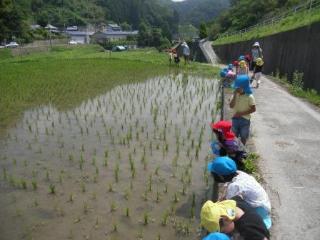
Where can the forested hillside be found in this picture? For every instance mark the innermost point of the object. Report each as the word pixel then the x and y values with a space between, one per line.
pixel 245 13
pixel 17 15
pixel 197 11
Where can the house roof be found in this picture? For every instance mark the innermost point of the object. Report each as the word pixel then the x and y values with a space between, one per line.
pixel 79 33
pixel 113 25
pixel 119 33
pixel 49 26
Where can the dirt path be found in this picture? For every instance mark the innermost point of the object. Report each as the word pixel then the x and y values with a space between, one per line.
pixel 287 136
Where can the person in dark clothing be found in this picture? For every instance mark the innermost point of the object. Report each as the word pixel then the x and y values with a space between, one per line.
pixel 227 144
pixel 230 215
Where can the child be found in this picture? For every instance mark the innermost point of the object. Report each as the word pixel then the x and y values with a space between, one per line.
pixel 224 170
pixel 216 236
pixel 228 144
pixel 175 56
pixel 243 68
pixel 235 214
pixel 243 104
pixel 257 71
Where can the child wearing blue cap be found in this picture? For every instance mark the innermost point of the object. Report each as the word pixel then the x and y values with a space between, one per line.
pixel 243 104
pixel 216 236
pixel 224 170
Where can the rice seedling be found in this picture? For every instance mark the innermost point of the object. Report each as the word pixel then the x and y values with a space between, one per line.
pixel 158 197
pixel 94 196
pixel 127 194
pixel 164 219
pixel 206 179
pixel 105 162
pixel 193 203
pixel 192 143
pixel 150 183
pixel 110 188
pixel 52 189
pixel 96 225
pixel 71 198
pixel 113 207
pixel 165 188
pixel 127 212
pixel 184 190
pixel 146 218
pixel 145 195
pixel 85 208
pixel 12 181
pixel 115 227
pixel 175 198
pixel 156 171
pixel 93 161
pixel 23 183
pixel 34 184
pixel 83 187
pixel 116 172
pixel 192 212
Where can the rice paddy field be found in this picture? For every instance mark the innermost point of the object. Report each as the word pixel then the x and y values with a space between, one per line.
pixel 123 159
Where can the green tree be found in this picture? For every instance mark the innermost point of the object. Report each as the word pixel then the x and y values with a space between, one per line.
pixel 125 26
pixel 12 21
pixel 203 31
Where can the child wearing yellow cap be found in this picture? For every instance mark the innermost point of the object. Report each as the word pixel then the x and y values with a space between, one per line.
pixel 257 71
pixel 235 214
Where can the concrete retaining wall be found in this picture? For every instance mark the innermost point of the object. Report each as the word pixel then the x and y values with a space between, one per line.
pixel 286 52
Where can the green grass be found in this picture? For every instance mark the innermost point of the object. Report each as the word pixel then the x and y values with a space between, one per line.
pixel 309 95
pixel 292 22
pixel 250 163
pixel 64 77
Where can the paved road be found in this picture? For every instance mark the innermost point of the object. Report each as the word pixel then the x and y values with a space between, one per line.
pixel 286 132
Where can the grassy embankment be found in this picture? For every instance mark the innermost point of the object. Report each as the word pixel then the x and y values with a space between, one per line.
pixel 289 23
pixel 64 77
pixel 296 88
pixel 292 22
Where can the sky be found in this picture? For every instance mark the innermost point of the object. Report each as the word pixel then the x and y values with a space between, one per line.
pixel 177 0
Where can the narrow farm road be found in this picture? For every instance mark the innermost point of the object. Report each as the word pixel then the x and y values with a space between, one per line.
pixel 286 133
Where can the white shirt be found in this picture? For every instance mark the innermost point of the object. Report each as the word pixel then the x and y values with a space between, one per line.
pixel 251 191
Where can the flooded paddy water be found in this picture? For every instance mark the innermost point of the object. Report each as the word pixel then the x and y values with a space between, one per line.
pixel 129 164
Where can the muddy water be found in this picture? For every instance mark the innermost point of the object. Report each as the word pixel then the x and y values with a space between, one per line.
pixel 125 165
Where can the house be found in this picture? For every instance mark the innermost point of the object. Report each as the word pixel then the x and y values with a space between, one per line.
pixel 80 37
pixel 72 28
pixel 52 28
pixel 102 37
pixel 35 26
pixel 113 27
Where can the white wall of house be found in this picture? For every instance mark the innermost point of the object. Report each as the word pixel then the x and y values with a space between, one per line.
pixel 79 39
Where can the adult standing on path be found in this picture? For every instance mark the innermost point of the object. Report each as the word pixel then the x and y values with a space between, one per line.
pixel 256 52
pixel 287 137
pixel 186 52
